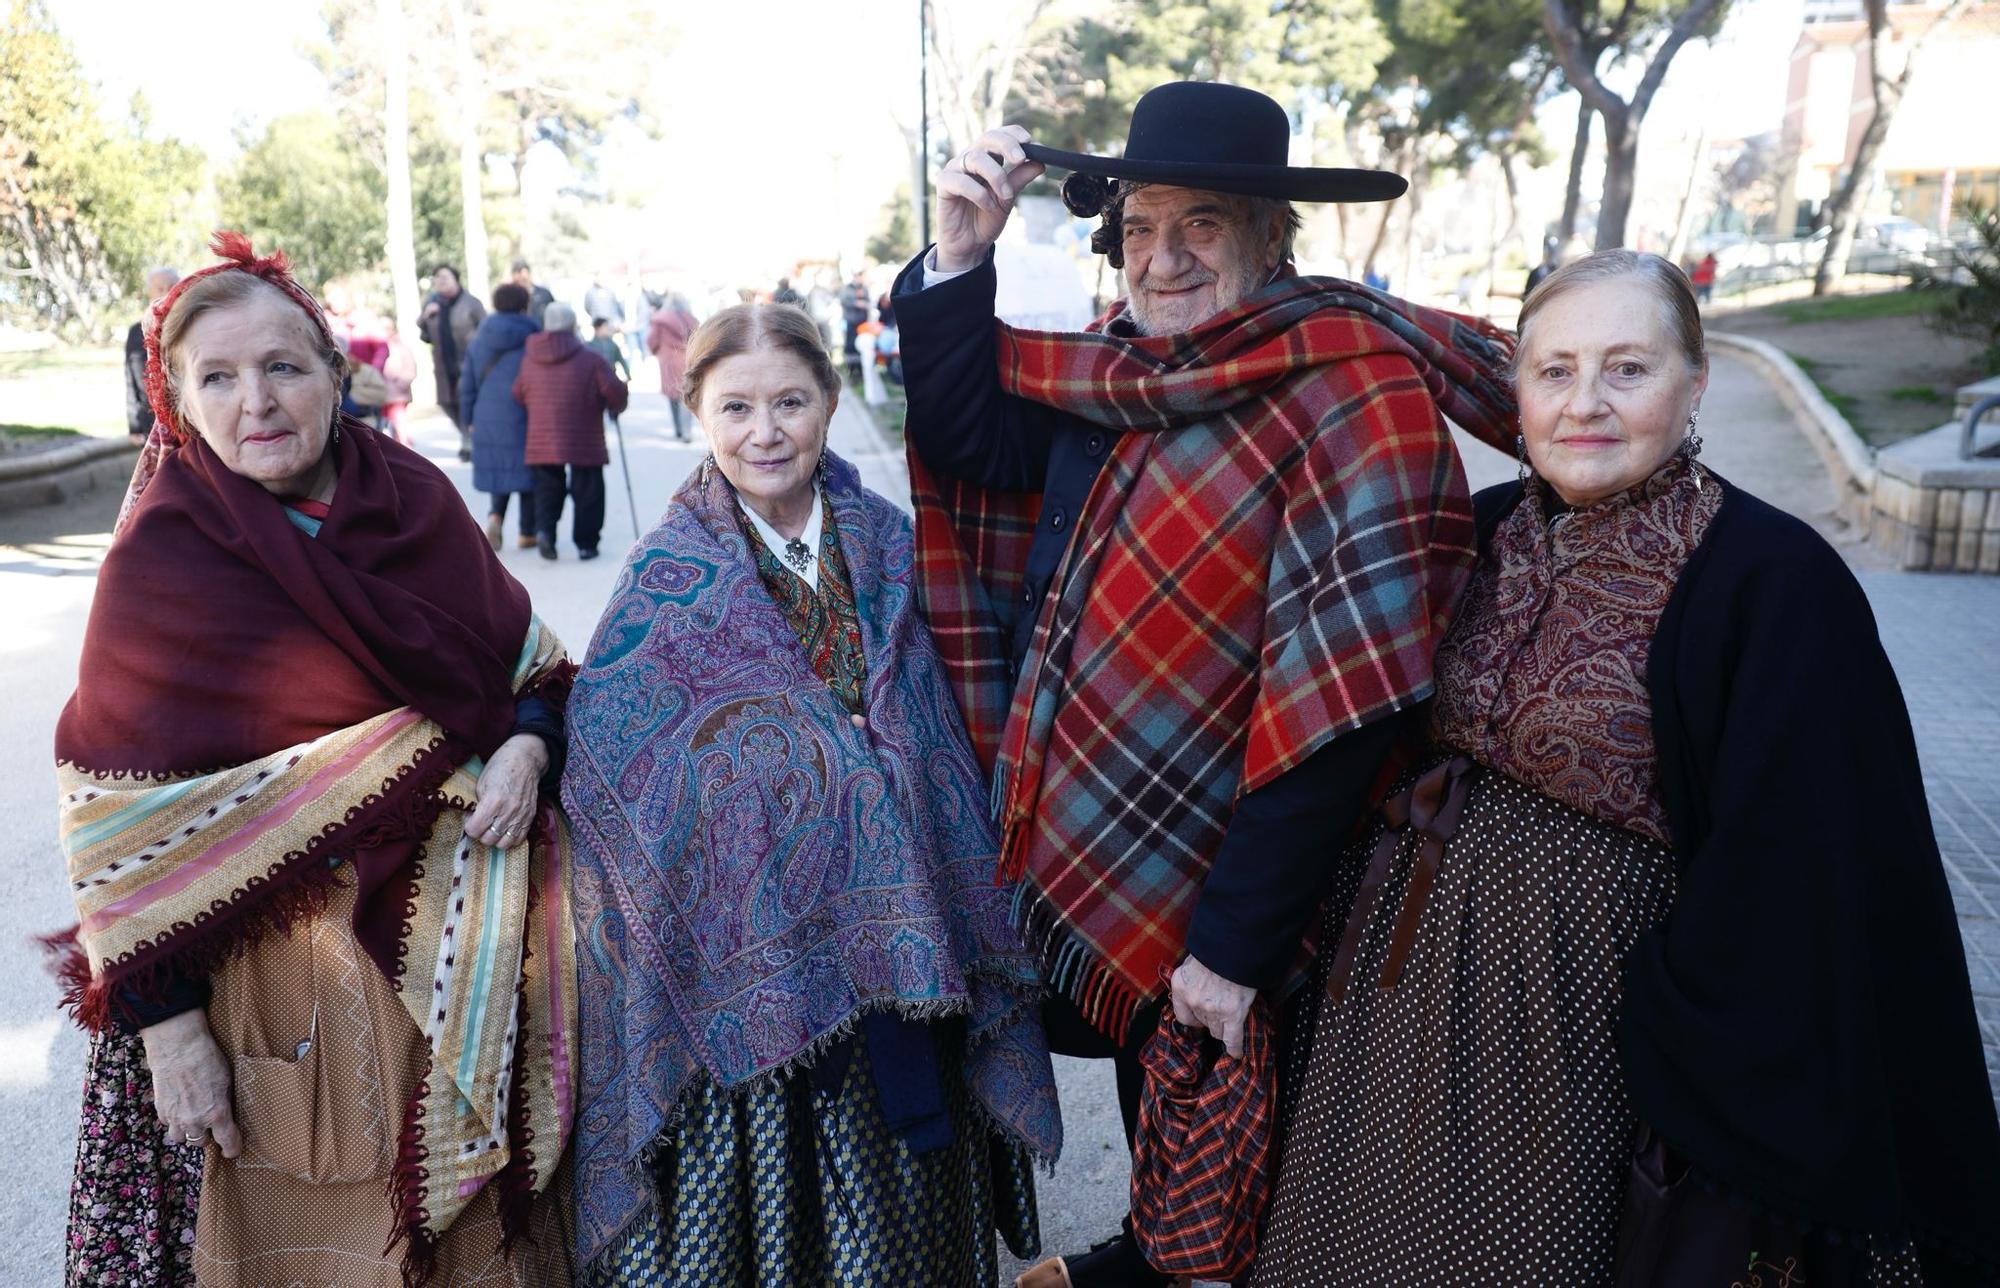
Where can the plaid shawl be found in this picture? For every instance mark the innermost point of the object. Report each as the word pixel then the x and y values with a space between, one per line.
pixel 1267 563
pixel 754 873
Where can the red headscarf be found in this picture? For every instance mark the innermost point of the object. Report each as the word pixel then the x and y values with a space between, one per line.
pixel 220 633
pixel 237 257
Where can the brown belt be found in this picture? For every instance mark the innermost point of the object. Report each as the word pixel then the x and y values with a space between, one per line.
pixel 1430 807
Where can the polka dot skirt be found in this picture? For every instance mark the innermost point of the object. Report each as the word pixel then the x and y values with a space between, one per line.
pixel 1470 1126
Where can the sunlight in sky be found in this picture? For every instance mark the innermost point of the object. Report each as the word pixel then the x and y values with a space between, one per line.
pixel 787 122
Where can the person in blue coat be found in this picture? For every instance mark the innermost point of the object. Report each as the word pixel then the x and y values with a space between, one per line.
pixel 499 423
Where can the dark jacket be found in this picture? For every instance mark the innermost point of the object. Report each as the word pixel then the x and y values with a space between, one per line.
pixel 1801 1027
pixel 486 395
pixel 1275 862
pixel 539 300
pixel 138 409
pixel 566 389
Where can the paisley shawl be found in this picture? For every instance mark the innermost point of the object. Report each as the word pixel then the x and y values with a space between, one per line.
pixel 754 871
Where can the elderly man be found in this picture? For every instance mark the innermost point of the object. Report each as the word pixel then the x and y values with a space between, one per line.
pixel 450 319
pixel 1187 568
pixel 539 296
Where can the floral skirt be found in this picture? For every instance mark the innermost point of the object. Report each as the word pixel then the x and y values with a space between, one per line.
pixel 132 1199
pixel 791 1184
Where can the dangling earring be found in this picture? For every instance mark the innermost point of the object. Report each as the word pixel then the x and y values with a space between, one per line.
pixel 1521 451
pixel 336 427
pixel 707 468
pixel 1691 446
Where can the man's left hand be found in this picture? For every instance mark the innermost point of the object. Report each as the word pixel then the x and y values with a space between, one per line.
pixel 1205 1000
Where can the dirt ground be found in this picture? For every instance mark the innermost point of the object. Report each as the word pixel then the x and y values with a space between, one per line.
pixel 1891 376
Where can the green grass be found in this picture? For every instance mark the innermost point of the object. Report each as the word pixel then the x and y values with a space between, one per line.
pixel 1846 404
pixel 889 416
pixel 1918 394
pixel 1840 308
pixel 83 388
pixel 35 431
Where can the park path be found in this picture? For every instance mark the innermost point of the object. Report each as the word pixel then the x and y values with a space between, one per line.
pixel 1941 631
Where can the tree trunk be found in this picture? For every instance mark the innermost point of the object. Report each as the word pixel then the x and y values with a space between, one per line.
pixel 478 273
pixel 1845 208
pixel 1573 195
pixel 1621 164
pixel 1683 222
pixel 1847 204
pixel 402 242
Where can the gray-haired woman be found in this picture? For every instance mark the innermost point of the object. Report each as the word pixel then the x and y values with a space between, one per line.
pixel 1648 974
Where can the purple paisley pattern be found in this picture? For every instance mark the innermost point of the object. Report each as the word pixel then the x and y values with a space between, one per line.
pixel 132 1199
pixel 1543 675
pixel 755 869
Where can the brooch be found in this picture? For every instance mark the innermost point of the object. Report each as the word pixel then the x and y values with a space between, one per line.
pixel 797 555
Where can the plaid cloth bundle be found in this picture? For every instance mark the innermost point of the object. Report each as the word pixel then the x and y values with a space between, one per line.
pixel 1267 563
pixel 1201 1164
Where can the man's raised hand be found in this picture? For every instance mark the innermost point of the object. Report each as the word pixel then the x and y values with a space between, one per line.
pixel 976 193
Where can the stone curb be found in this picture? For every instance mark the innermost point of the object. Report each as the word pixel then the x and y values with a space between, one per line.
pixel 1854 460
pixel 50 478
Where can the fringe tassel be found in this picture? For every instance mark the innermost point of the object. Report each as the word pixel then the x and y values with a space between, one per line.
pixel 1074 969
pixel 514 1186
pixel 412 1221
pixel 295 888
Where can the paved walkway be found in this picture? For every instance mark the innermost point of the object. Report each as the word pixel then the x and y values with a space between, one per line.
pixel 1943 633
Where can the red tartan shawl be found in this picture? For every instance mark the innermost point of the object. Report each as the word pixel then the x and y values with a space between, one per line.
pixel 1268 563
pixel 219 633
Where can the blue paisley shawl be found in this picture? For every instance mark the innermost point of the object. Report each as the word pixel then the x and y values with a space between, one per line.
pixel 754 872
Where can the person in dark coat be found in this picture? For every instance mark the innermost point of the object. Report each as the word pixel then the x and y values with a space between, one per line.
pixel 450 318
pixel 138 409
pixel 1649 974
pixel 567 389
pixel 499 422
pixel 539 296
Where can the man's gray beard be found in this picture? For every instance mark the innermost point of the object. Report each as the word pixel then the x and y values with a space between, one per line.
pixel 1247 282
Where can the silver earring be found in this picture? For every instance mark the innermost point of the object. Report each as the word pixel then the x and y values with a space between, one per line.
pixel 1691 448
pixel 1521 451
pixel 707 468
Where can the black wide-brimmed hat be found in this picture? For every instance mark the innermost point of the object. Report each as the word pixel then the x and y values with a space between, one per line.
pixel 1221 138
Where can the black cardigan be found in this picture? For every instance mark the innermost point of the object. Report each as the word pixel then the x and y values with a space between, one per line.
pixel 1801 1027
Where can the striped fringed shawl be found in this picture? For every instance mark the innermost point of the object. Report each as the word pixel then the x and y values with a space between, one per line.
pixel 261 713
pixel 486 947
pixel 1267 560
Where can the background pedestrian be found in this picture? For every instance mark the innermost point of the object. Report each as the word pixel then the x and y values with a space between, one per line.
pixel 567 388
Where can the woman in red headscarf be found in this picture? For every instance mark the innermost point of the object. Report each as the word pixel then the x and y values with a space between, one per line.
pixel 320 877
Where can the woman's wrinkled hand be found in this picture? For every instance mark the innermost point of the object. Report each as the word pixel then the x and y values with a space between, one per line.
pixel 1205 1000
pixel 191 1082
pixel 505 806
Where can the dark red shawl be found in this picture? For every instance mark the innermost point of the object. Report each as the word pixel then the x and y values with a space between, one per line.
pixel 221 633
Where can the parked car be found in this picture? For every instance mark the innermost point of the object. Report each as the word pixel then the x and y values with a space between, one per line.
pixel 1896 233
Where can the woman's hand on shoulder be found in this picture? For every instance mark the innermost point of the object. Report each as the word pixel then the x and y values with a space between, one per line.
pixel 191 1087
pixel 507 790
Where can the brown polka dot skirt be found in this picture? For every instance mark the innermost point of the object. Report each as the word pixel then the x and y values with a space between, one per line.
pixel 1470 1126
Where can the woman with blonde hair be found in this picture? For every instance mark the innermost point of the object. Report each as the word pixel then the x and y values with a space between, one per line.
pixel 812 1050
